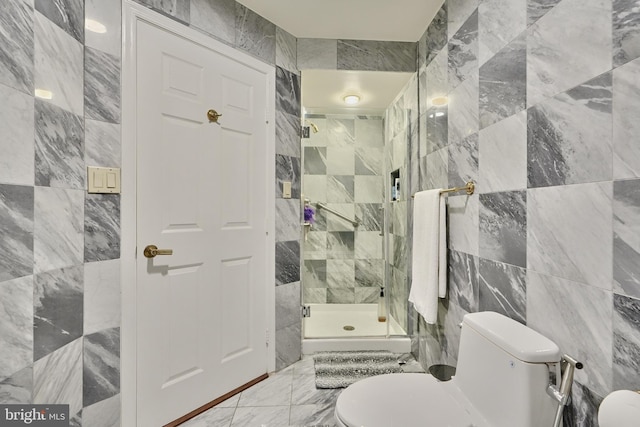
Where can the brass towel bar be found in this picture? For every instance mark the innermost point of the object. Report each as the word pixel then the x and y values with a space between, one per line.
pixel 469 188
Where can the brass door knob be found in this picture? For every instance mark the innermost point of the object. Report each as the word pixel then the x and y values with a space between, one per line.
pixel 213 116
pixel 152 250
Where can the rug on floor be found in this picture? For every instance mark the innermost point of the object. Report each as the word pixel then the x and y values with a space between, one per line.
pixel 339 369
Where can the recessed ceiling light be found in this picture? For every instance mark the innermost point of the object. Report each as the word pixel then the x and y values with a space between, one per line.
pixel 351 99
pixel 440 100
pixel 95 26
pixel 43 94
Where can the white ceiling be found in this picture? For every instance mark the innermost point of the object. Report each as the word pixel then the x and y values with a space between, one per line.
pixel 389 20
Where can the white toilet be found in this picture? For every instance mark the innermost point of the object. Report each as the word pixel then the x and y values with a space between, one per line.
pixel 501 381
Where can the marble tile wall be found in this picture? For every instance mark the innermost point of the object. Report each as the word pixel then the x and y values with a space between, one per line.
pixel 542 107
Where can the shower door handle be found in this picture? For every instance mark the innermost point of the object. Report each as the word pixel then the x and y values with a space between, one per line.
pixel 152 250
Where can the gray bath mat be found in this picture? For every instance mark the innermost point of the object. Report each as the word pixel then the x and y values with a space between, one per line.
pixel 343 368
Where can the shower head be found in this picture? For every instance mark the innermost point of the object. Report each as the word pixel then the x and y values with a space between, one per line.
pixel 313 126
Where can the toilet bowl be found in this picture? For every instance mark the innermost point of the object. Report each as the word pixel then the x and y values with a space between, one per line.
pixel 501 381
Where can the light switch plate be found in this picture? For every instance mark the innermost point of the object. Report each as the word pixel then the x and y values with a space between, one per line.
pixel 103 180
pixel 286 190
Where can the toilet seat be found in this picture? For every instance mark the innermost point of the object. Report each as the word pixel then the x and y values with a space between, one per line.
pixel 405 400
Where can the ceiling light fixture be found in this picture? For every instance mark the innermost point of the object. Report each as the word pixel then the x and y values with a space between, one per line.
pixel 95 26
pixel 351 99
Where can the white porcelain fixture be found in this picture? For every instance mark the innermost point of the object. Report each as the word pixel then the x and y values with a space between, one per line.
pixel 501 381
pixel 621 408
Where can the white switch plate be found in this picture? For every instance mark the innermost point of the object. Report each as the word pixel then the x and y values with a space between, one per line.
pixel 286 190
pixel 103 180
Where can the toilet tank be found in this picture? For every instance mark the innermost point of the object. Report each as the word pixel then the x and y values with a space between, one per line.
pixel 502 370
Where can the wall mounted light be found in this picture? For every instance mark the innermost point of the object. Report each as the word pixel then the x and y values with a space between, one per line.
pixel 95 26
pixel 351 99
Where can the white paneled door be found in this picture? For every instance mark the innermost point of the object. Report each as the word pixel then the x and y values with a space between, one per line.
pixel 201 315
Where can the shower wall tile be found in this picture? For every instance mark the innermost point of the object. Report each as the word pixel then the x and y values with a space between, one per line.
pixel 437 169
pixel 341 296
pixel 368 160
pixel 463 280
pixel 369 133
pixel 255 35
pixel 503 289
pixel 17 230
pixel 503 227
pixel 626 237
pixel 626 342
pixel 108 14
pixel 463 110
pixel 463 224
pixel 463 52
pixel 58 65
pixel 368 189
pixel 16 45
pixel 287 134
pixel 340 132
pixel 288 219
pixel 102 144
pixel 59 147
pixel 103 414
pixel 368 245
pixel 314 295
pixel 500 21
pixel 101 227
pixel 369 272
pixel 215 17
pixel 57 309
pixel 176 9
pixel 16 327
pixel 458 13
pixel 340 245
pixel 288 169
pixel 569 232
pixel 315 160
pixel 101 366
pixel 315 245
pixel 463 161
pixel 626 31
pixel 340 161
pixel 340 273
pixel 315 189
pixel 437 128
pixel 506 139
pixel 367 55
pixel 366 296
pixel 586 325
pixel 436 35
pixel 66 14
pixel 399 257
pixel 536 9
pixel 57 377
pixel 503 85
pixel 317 54
pixel 569 136
pixel 287 262
pixel 102 86
pixel 340 189
pixel 569 45
pixel 335 223
pixel 370 216
pixel 17 389
pixel 101 298
pixel 16 136
pixel 626 128
pixel 286 51
pixel 288 92
pixel 315 273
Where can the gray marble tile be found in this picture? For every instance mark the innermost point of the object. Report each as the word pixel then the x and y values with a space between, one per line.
pixel 506 139
pixel 273 416
pixel 312 415
pixel 626 342
pixel 463 161
pixel 306 393
pixel 255 34
pixel 340 273
pixel 101 227
pixel 102 86
pixel 626 237
pixel 315 245
pixel 101 296
pixel 340 245
pixel 109 14
pixel 274 391
pixel 369 273
pixel 368 245
pixel 101 366
pixel 18 388
pixel 503 227
pixel 340 160
pixel 626 127
pixel 436 124
pixel 286 45
pixel 569 232
pixel 399 259
pixel 215 17
pixel 288 345
pixel 317 54
pixel 500 21
pixel 287 134
pixel 368 189
pixel 463 52
pixel 411 103
pixel 503 289
pixel 103 414
pixel 287 219
pixel 102 144
pixel 340 189
pixel 314 274
pixel 287 305
pixel 450 318
pixel 463 223
pixel 458 13
pixel 16 326
pixel 57 309
pixel 287 92
pixel 582 410
pixel 58 60
pixel 582 329
pixel 503 83
pixel 569 136
pixel 370 216
pixel 288 169
pixel 626 31
pixel 536 9
pixel 59 147
pixel 287 262
pixel 335 223
pixel 369 55
pixel 340 132
pixel 16 137
pixel 315 295
pixel 463 111
pixel 176 9
pixel 569 45
pixel 398 217
pixel 463 280
pixel 17 229
pixel 369 133
pixel 57 377
pixel 16 45
pixel 437 169
pixel 368 161
pixel 213 417
pixel 76 420
pixel 66 14
pixel 436 34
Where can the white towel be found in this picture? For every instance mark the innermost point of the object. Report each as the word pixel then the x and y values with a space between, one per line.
pixel 429 279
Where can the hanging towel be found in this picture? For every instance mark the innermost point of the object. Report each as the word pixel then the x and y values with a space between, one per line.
pixel 429 279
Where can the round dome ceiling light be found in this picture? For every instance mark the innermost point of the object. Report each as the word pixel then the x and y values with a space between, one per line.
pixel 351 99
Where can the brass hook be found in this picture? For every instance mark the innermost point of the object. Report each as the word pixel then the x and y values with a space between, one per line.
pixel 213 116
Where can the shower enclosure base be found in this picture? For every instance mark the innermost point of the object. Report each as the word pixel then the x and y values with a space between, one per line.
pixel 351 327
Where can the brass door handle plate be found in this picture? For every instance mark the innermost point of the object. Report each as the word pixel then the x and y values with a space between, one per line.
pixel 213 116
pixel 152 250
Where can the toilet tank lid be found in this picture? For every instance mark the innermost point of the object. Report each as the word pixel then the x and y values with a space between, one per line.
pixel 513 337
